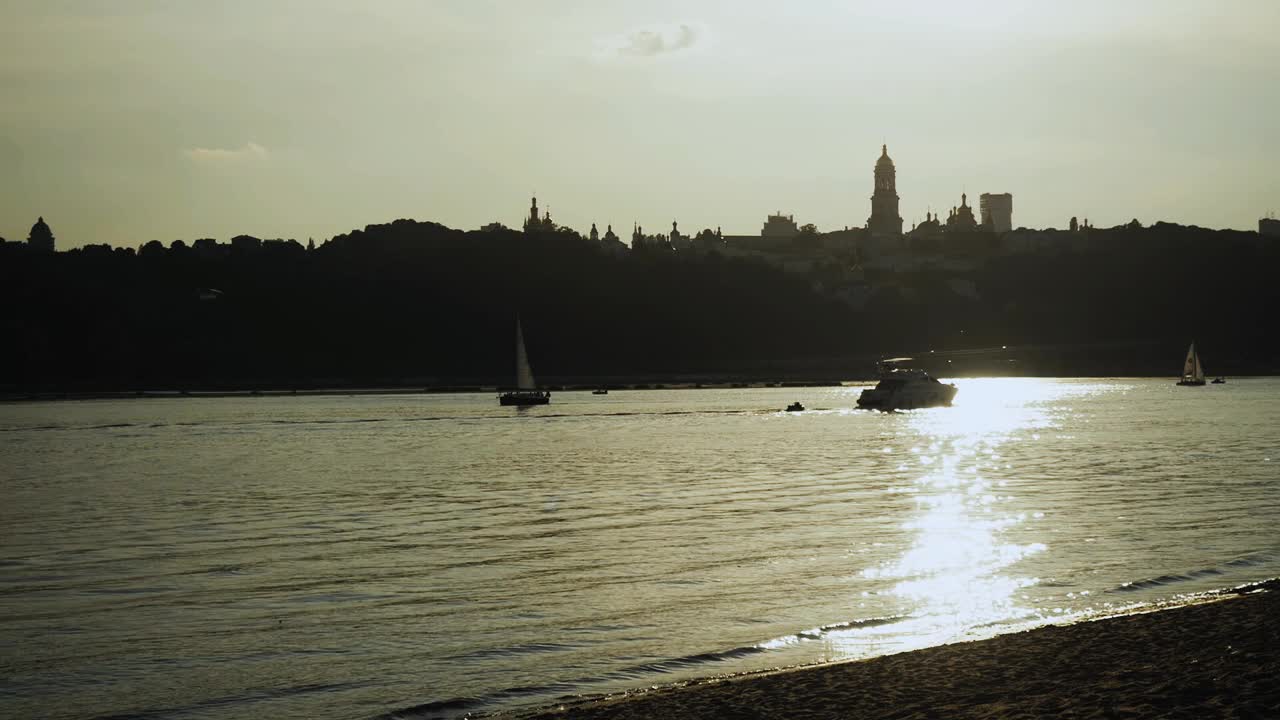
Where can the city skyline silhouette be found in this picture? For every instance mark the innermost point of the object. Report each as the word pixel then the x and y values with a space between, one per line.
pixel 132 123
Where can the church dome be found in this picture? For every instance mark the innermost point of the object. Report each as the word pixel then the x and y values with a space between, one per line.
pixel 885 160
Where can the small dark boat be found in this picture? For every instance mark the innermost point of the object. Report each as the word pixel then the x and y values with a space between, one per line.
pixel 600 391
pixel 1218 381
pixel 795 407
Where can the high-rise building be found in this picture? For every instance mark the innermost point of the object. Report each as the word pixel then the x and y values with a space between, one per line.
pixel 997 211
pixel 884 218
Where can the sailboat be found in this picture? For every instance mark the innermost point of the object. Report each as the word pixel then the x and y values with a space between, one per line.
pixel 526 392
pixel 1192 372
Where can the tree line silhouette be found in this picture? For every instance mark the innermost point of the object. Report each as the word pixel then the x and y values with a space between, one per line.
pixel 416 303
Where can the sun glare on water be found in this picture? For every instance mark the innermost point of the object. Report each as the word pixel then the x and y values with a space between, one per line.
pixel 960 572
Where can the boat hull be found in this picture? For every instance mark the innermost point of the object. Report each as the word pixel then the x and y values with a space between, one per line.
pixel 524 398
pixel 1190 383
pixel 910 398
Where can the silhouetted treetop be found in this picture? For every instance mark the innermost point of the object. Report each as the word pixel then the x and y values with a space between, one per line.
pixel 418 302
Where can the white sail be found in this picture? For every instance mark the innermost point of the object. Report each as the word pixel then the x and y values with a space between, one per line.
pixel 524 373
pixel 1191 369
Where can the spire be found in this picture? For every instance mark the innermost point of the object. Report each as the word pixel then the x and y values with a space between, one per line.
pixel 884 150
pixel 963 199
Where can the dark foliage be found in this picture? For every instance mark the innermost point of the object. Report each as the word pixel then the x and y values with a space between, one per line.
pixel 415 303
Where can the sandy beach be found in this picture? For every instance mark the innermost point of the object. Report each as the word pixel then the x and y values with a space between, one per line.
pixel 1216 659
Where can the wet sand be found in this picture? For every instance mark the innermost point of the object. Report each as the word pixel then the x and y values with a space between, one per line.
pixel 1212 660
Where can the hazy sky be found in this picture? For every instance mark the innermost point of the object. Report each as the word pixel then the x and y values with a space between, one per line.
pixel 123 121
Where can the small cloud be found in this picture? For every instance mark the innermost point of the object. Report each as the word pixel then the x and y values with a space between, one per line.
pixel 250 151
pixel 652 41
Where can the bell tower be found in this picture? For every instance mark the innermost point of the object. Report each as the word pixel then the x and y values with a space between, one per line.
pixel 885 219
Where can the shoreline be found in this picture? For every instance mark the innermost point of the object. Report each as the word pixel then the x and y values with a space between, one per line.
pixel 1217 656
pixel 42 396
pixel 18 396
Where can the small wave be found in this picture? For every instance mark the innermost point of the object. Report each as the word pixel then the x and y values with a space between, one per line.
pixel 27 428
pixel 434 709
pixel 514 650
pixel 1174 578
pixel 868 622
pixel 231 701
pixel 680 663
pixel 820 632
pixel 454 707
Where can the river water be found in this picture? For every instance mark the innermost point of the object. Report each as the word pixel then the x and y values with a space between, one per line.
pixel 433 555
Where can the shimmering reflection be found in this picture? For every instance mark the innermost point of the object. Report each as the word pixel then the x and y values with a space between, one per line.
pixel 441 556
pixel 959 572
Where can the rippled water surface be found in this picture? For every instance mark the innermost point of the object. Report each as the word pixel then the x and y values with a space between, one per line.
pixel 433 555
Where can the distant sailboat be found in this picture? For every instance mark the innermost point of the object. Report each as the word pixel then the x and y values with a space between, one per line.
pixel 1192 372
pixel 526 392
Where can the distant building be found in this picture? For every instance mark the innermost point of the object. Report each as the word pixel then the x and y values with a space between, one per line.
pixel 780 226
pixel 930 228
pixel 41 237
pixel 595 234
pixel 885 220
pixel 678 240
pixel 961 218
pixel 996 211
pixel 493 227
pixel 535 224
pixel 640 241
pixel 1269 226
pixel 709 241
pixel 611 244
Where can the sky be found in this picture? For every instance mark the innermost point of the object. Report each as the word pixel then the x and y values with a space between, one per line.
pixel 124 121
